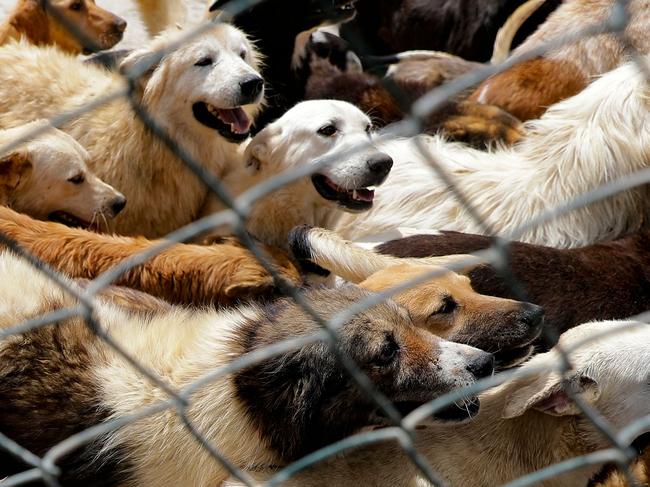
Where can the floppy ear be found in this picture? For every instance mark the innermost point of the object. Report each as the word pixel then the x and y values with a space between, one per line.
pixel 548 394
pixel 143 63
pixel 261 147
pixel 13 167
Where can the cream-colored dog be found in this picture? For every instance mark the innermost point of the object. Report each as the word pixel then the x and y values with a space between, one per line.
pixel 203 95
pixel 47 177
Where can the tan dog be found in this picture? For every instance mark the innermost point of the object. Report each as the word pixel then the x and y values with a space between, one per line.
pixel 47 178
pixel 445 305
pixel 181 274
pixel 44 25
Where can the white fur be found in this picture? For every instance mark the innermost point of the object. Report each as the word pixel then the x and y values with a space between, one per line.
pixel 578 145
pixel 518 429
pixel 163 193
pixel 56 158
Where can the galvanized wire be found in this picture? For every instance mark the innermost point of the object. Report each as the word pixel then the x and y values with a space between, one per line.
pixel 235 216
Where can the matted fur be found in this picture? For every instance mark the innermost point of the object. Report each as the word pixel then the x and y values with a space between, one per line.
pixel 526 424
pixel 260 416
pixel 184 274
pixel 30 19
pixel 578 145
pixel 44 82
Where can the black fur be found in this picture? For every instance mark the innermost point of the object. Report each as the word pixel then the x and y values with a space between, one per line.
pixel 299 245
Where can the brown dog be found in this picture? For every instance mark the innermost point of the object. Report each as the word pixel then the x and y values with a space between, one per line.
pixel 445 305
pixel 43 24
pixel 181 274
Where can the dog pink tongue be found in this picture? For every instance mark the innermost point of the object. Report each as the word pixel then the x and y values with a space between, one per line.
pixel 237 118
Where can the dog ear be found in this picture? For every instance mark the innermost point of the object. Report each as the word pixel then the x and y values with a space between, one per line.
pixel 141 63
pixel 549 394
pixel 260 148
pixel 13 167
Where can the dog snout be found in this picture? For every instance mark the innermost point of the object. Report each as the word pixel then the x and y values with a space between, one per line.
pixel 482 365
pixel 251 88
pixel 118 205
pixel 380 164
pixel 119 25
pixel 531 315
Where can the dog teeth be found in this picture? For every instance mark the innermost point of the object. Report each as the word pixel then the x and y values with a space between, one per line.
pixel 354 194
pixel 371 188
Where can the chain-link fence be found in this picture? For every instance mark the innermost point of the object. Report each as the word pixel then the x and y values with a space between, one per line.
pixel 403 429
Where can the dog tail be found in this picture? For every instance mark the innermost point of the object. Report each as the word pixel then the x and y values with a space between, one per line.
pixel 159 15
pixel 507 32
pixel 353 263
pixel 415 55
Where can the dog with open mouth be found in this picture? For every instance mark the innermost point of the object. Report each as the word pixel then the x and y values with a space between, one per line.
pixel 445 305
pixel 204 95
pixel 277 38
pixel 268 414
pixel 47 177
pixel 331 132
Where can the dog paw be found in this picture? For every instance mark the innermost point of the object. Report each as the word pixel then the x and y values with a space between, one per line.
pixel 482 126
pixel 335 50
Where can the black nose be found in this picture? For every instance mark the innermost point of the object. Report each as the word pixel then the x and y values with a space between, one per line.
pixel 482 366
pixel 531 315
pixel 380 164
pixel 118 205
pixel 119 25
pixel 251 88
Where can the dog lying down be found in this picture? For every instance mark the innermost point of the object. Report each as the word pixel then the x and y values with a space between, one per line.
pixel 221 274
pixel 446 305
pixel 47 177
pixel 268 414
pixel 530 414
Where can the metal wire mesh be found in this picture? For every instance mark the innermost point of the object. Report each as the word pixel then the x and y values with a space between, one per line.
pixel 46 469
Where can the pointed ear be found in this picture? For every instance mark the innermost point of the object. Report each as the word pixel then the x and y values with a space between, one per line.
pixel 260 149
pixel 548 394
pixel 249 288
pixel 142 63
pixel 13 168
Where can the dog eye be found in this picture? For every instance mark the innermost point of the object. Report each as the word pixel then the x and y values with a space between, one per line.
pixel 243 54
pixel 327 130
pixel 388 351
pixel 78 179
pixel 448 306
pixel 75 6
pixel 368 129
pixel 204 61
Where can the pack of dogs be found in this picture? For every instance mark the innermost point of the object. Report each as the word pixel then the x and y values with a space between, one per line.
pixel 307 87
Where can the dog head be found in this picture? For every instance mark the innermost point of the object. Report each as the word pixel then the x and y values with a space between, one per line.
pixel 59 185
pixel 305 399
pixel 318 130
pixel 448 307
pixel 209 83
pixel 299 14
pixel 610 369
pixel 100 28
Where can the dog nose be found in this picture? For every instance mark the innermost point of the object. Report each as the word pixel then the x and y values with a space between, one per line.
pixel 251 87
pixel 119 25
pixel 380 164
pixel 482 366
pixel 118 205
pixel 531 315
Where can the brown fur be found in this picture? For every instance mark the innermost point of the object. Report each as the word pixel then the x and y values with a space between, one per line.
pixel 614 478
pixel 604 281
pixel 13 167
pixel 527 89
pixel 41 25
pixel 129 299
pixel 181 274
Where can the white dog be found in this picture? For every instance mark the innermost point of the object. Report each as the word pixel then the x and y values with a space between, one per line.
pixel 524 425
pixel 47 178
pixel 203 94
pixel 578 145
pixel 311 131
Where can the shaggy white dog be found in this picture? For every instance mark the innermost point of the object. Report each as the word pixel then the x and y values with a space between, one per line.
pixel 580 144
pixel 204 94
